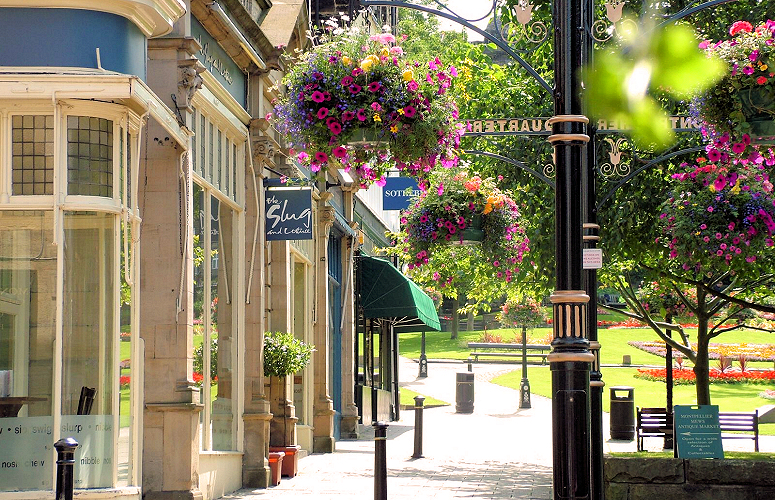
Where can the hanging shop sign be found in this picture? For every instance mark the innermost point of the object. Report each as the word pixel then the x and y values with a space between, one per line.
pixel 697 431
pixel 288 211
pixel 397 192
pixel 541 126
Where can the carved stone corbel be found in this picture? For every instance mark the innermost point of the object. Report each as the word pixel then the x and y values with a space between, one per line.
pixel 325 219
pixel 189 81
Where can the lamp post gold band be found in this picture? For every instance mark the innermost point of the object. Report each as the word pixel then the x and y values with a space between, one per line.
pixel 567 118
pixel 568 137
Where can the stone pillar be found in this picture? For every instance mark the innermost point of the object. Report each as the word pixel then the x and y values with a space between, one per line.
pixel 283 426
pixel 349 422
pixel 257 415
pixel 171 418
pixel 323 405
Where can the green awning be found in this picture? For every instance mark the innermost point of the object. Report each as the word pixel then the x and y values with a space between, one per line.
pixel 387 293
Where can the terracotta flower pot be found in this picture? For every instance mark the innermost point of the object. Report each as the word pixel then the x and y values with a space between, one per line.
pixel 290 464
pixel 275 467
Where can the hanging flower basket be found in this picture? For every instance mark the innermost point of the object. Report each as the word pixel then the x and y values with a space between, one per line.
pixel 721 213
pixel 757 108
pixel 355 99
pixel 459 207
pixel 743 102
pixel 473 233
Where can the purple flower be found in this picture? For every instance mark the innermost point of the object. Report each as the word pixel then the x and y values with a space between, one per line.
pixel 347 81
pixel 714 155
pixel 322 113
pixel 748 70
pixel 321 157
pixel 361 114
pixel 340 152
pixel 347 116
pixel 738 147
pixel 335 128
pixel 318 96
pixel 412 86
pixel 440 189
pixel 374 86
pixel 355 88
pixel 409 111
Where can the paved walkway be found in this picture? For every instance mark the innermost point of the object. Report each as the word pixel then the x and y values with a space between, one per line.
pixel 497 452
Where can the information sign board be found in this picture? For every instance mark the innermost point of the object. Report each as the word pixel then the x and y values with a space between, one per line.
pixel 697 431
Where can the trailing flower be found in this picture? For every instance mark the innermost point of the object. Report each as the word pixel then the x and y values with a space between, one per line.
pixel 721 212
pixel 453 202
pixel 358 87
pixel 750 58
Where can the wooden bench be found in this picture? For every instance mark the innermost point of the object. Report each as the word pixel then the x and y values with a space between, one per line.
pixel 496 349
pixel 653 422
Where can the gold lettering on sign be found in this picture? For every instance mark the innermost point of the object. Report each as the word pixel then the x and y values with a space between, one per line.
pixel 489 126
pixel 513 125
pixel 537 125
pixel 477 126
pixel 502 124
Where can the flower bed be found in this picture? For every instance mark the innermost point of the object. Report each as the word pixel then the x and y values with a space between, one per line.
pixel 752 352
pixel 768 394
pixel 728 376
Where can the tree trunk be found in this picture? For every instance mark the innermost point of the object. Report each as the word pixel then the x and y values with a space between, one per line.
pixel 455 319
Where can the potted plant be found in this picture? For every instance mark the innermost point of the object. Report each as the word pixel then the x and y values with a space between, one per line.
pixel 460 207
pixel 743 102
pixel 721 212
pixel 284 355
pixel 355 101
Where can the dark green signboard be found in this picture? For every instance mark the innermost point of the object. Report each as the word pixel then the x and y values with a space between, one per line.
pixel 697 432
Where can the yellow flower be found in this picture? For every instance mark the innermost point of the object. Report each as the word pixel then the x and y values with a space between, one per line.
pixel 487 208
pixel 400 111
pixel 394 129
pixel 736 188
pixel 712 188
pixel 762 66
pixel 370 61
pixel 377 118
pixel 384 52
pixel 408 75
pixel 346 61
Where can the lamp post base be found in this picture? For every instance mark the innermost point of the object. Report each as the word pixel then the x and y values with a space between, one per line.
pixel 524 394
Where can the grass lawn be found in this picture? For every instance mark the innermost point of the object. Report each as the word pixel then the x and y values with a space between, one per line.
pixel 729 397
pixel 407 398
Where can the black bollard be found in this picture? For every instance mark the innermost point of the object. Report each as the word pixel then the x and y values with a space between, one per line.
pixel 470 366
pixel 418 413
pixel 65 461
pixel 380 460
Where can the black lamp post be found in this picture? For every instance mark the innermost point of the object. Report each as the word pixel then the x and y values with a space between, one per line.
pixel 524 384
pixel 570 358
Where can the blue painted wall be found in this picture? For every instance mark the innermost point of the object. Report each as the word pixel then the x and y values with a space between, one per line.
pixel 68 37
pixel 219 64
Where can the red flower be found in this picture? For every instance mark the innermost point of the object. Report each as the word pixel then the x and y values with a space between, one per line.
pixel 761 80
pixel 739 26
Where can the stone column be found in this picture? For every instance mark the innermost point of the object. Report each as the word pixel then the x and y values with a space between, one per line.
pixel 349 421
pixel 257 415
pixel 323 405
pixel 283 426
pixel 171 418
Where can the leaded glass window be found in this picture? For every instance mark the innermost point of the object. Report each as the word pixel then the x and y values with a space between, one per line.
pixel 32 154
pixel 89 156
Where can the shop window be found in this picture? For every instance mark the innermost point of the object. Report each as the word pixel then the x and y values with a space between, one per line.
pixel 28 271
pixel 89 156
pixel 32 154
pixel 88 336
pixel 214 317
pixel 215 156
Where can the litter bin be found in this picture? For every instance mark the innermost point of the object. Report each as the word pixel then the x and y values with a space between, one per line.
pixel 464 393
pixel 622 413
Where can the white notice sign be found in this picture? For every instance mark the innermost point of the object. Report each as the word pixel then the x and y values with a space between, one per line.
pixel 593 258
pixel 26 453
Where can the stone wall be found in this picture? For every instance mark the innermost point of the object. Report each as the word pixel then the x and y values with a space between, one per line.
pixel 673 478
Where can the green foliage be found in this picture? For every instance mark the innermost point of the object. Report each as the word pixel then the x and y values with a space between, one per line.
pixel 284 354
pixel 620 85
pixel 199 358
